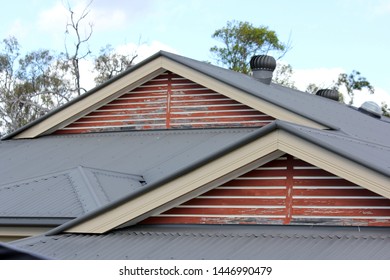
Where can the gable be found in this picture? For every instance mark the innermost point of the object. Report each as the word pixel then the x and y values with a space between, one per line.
pixel 168 101
pixel 286 190
pixel 235 86
pixel 192 180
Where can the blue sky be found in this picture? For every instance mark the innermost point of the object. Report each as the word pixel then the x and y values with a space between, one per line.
pixel 327 37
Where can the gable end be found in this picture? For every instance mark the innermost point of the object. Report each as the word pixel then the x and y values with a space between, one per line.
pixel 168 101
pixel 284 191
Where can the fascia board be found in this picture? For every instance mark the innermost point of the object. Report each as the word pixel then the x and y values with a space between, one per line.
pixel 209 186
pixel 93 101
pixel 22 231
pixel 334 163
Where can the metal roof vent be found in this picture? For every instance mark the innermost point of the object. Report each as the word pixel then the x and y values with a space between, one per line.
pixel 329 93
pixel 372 109
pixel 262 67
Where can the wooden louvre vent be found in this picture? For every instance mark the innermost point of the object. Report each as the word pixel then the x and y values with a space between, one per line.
pixel 284 191
pixel 168 101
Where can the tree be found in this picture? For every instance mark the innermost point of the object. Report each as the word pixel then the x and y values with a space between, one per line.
pixel 241 41
pixel 385 109
pixel 352 82
pixel 282 75
pixel 312 88
pixel 109 64
pixel 35 83
pixel 80 46
pixel 30 85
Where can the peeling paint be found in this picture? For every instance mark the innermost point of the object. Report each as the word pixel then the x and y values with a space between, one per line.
pixel 168 102
pixel 284 191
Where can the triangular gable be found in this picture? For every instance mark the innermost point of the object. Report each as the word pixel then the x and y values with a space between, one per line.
pixel 168 101
pixel 256 149
pixel 286 190
pixel 144 72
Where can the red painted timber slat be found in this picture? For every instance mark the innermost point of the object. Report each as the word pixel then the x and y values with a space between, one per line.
pixel 212 220
pixel 226 211
pixel 341 202
pixel 263 196
pixel 258 182
pixel 322 182
pixel 180 102
pixel 246 192
pixel 332 192
pixel 341 212
pixel 236 201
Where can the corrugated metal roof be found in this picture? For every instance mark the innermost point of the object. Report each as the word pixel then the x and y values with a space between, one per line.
pixel 52 196
pixel 217 242
pixel 63 195
pixel 48 191
pixel 150 153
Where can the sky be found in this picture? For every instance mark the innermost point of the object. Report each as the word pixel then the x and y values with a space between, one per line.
pixel 326 37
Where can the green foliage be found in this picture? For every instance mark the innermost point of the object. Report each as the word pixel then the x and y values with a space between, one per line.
pixel 385 109
pixel 109 64
pixel 312 88
pixel 352 82
pixel 282 75
pixel 241 40
pixel 30 85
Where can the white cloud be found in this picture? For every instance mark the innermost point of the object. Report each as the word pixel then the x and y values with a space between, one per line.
pixel 18 29
pixel 104 20
pixel 143 50
pixel 382 8
pixel 53 19
pixel 323 77
pixel 378 97
pixel 87 74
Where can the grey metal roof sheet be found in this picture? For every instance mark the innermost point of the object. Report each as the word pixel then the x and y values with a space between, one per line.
pixel 8 252
pixel 52 196
pixel 45 189
pixel 148 153
pixel 217 242
pixel 62 195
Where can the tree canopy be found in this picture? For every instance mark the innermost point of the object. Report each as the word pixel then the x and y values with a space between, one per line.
pixel 30 85
pixel 109 64
pixel 353 82
pixel 240 41
pixel 36 82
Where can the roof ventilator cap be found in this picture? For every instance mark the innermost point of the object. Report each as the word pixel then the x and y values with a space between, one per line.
pixel 371 108
pixel 328 93
pixel 262 67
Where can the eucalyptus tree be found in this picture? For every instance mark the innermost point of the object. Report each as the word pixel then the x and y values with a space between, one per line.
pixel 241 40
